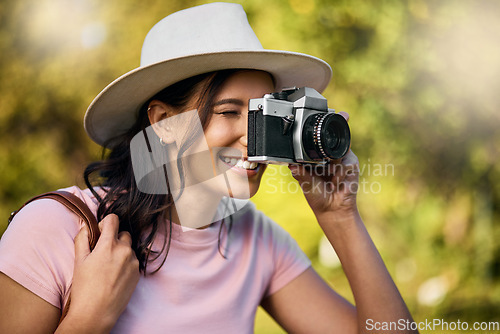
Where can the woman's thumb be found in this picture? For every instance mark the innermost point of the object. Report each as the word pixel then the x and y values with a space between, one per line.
pixel 82 247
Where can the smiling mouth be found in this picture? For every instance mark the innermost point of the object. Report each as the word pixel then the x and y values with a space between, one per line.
pixel 240 163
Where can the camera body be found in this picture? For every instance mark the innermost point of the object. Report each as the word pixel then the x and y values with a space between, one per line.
pixel 295 126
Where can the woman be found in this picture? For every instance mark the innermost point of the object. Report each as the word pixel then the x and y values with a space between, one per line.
pixel 170 171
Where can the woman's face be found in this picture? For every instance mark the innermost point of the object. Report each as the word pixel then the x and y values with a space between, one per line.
pixel 226 133
pixel 217 161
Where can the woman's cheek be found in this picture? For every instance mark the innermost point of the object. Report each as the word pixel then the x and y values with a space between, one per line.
pixel 218 136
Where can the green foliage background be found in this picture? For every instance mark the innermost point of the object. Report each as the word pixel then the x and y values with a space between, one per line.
pixel 420 79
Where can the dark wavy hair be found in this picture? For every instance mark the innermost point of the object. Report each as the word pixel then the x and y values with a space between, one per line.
pixel 140 214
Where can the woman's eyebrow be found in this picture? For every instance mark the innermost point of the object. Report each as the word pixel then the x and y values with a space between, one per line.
pixel 229 101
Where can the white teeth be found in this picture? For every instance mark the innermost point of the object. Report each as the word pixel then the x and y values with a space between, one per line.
pixel 240 163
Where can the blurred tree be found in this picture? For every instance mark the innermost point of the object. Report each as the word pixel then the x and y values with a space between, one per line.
pixel 418 77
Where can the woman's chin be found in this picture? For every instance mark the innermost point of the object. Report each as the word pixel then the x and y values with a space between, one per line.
pixel 243 190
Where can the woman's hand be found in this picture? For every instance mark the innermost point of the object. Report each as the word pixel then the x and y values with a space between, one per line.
pixel 103 280
pixel 331 188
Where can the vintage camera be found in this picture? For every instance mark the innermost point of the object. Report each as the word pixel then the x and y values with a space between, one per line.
pixel 295 126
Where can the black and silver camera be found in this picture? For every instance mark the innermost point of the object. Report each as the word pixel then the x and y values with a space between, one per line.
pixel 295 126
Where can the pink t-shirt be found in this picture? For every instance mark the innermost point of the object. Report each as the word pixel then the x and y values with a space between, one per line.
pixel 196 291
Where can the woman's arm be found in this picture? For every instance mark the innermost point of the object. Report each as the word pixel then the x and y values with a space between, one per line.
pixel 307 304
pixel 21 311
pixel 376 296
pixel 103 283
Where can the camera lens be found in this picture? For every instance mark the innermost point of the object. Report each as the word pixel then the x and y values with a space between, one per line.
pixel 326 136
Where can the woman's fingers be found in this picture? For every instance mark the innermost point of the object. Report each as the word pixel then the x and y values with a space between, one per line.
pixel 125 237
pixel 109 227
pixel 82 247
pixel 350 159
pixel 344 114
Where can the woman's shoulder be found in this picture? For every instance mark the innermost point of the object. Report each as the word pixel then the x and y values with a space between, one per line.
pixel 37 249
pixel 86 195
pixel 47 215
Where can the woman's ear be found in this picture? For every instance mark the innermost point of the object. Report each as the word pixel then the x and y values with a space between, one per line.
pixel 158 114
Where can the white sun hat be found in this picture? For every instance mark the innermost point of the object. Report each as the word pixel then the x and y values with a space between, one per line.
pixel 193 41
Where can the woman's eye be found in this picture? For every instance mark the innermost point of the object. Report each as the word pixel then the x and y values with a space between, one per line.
pixel 228 113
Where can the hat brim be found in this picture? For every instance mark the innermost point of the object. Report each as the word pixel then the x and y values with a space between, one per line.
pixel 114 110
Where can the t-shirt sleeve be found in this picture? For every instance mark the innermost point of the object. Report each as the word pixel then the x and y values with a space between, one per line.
pixel 37 249
pixel 288 258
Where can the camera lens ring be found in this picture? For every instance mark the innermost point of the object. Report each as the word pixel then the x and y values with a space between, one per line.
pixel 317 134
pixel 326 136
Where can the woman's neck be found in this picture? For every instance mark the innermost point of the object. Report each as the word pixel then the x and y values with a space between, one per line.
pixel 196 207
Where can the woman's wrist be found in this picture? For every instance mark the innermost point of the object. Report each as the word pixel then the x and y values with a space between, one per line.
pixel 342 228
pixel 340 218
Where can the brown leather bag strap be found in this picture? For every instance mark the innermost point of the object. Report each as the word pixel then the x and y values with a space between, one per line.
pixel 74 204
pixel 77 206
